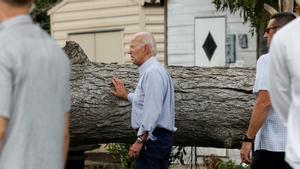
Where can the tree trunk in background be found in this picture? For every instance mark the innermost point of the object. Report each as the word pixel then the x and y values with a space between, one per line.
pixel 213 105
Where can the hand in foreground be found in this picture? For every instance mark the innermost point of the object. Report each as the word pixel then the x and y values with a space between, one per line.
pixel 120 90
pixel 245 152
pixel 134 150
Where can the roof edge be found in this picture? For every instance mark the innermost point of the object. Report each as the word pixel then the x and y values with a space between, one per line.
pixel 59 5
pixel 64 2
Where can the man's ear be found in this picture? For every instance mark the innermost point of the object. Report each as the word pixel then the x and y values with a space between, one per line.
pixel 146 49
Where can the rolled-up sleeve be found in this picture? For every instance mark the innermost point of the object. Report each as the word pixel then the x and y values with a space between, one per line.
pixel 5 87
pixel 130 97
pixel 262 74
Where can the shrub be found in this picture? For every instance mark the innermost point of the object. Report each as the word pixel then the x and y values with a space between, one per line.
pixel 121 150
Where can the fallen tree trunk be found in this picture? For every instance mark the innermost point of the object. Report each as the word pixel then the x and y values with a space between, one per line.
pixel 213 105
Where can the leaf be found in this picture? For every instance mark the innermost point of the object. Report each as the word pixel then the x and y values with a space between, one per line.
pixel 250 10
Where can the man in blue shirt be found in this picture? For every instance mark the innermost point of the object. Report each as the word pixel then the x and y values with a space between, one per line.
pixel 153 105
pixel 265 125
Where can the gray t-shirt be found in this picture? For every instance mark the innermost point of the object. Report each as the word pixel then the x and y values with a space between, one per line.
pixel 34 96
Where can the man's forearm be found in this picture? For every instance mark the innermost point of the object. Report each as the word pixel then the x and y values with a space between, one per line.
pixel 125 96
pixel 256 122
pixel 66 147
pixel 259 115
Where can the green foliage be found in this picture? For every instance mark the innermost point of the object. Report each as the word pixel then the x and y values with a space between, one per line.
pixel 230 165
pixel 39 14
pixel 251 10
pixel 214 162
pixel 121 151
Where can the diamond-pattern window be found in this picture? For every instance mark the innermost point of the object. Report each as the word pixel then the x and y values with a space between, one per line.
pixel 209 46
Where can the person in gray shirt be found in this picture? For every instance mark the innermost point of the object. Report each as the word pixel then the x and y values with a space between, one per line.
pixel 34 93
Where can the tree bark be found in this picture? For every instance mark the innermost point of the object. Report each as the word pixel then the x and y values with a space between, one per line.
pixel 213 105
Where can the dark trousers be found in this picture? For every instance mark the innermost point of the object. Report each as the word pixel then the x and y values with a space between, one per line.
pixel 263 159
pixel 155 154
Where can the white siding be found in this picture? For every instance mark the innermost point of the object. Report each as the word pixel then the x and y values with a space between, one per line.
pixel 245 57
pixel 181 43
pixel 92 16
pixel 215 27
pixel 181 33
pixel 154 22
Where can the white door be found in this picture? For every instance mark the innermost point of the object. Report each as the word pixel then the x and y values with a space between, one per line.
pixel 210 41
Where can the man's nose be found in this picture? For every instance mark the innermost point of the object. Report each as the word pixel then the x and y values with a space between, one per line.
pixel 265 35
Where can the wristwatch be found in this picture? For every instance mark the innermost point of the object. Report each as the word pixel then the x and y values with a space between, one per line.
pixel 247 139
pixel 139 140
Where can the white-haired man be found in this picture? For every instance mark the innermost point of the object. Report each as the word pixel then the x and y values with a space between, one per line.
pixel 153 105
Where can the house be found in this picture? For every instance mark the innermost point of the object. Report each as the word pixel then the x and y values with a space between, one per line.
pixel 198 35
pixel 103 28
pixel 188 33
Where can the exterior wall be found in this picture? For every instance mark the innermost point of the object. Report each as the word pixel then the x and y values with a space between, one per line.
pixel 155 23
pixel 244 57
pixel 92 16
pixel 181 33
pixel 181 45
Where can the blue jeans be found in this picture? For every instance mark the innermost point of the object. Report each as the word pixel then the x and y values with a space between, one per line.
pixel 155 154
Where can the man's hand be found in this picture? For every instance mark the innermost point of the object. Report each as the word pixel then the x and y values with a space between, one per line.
pixel 245 152
pixel 120 90
pixel 134 150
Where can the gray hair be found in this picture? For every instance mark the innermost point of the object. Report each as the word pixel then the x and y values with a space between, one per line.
pixel 152 45
pixel 147 38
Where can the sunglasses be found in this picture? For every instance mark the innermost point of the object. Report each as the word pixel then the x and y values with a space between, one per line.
pixel 268 29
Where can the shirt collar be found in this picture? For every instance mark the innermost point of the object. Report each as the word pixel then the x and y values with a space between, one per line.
pixel 18 20
pixel 147 64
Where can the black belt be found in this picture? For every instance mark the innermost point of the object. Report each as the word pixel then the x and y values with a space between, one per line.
pixel 158 129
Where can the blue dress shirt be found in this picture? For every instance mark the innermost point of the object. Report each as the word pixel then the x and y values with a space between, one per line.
pixel 272 135
pixel 153 101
